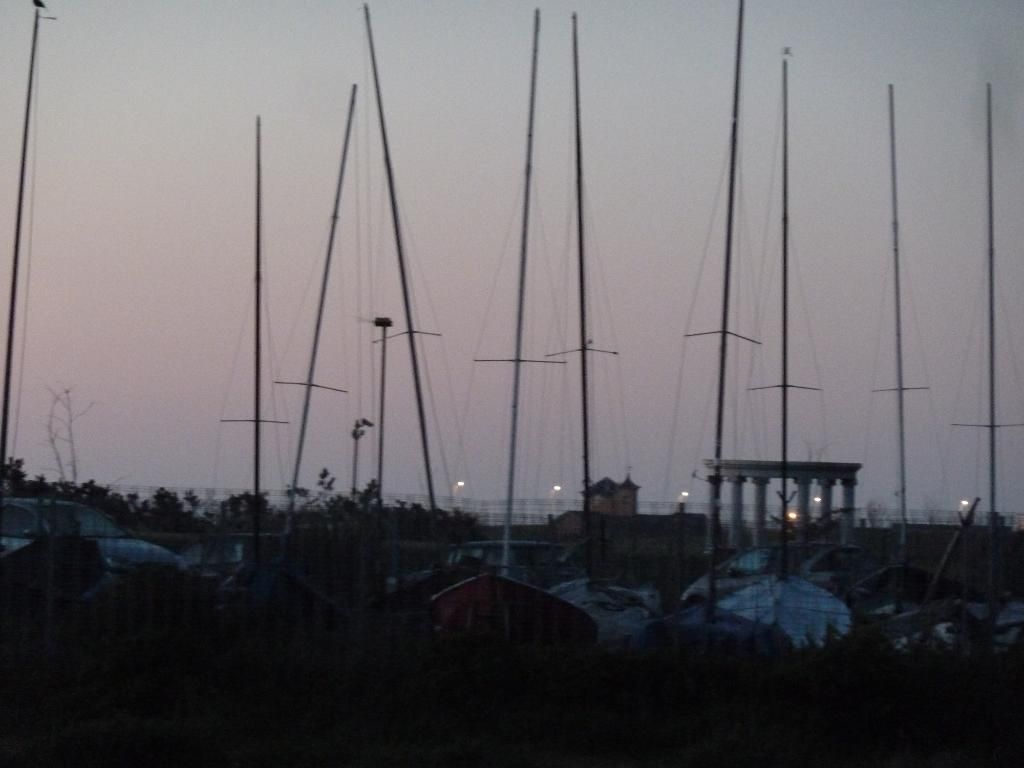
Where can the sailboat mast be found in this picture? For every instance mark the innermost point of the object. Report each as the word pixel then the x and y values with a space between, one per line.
pixel 716 477
pixel 518 359
pixel 256 501
pixel 584 342
pixel 406 301
pixel 899 331
pixel 993 520
pixel 783 519
pixel 13 302
pixel 320 309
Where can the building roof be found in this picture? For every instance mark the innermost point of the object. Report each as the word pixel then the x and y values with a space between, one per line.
pixel 607 487
pixel 604 487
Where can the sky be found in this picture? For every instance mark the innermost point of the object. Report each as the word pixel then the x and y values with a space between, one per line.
pixel 136 290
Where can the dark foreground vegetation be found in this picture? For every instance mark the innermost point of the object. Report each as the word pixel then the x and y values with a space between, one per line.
pixel 170 669
pixel 178 696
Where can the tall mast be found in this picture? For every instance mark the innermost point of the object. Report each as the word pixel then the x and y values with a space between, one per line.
pixel 257 362
pixel 716 477
pixel 899 332
pixel 13 302
pixel 320 309
pixel 993 520
pixel 783 519
pixel 518 359
pixel 406 301
pixel 584 342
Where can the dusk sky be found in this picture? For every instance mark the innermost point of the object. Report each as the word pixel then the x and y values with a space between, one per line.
pixel 138 247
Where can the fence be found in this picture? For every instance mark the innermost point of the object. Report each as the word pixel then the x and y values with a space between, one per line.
pixel 335 580
pixel 535 511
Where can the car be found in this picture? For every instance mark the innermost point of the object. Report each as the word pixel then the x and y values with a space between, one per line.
pixel 28 519
pixel 540 563
pixel 835 567
pixel 220 555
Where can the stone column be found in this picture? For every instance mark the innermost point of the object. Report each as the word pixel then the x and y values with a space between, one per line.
pixel 736 513
pixel 825 508
pixel 760 510
pixel 709 533
pixel 846 512
pixel 803 507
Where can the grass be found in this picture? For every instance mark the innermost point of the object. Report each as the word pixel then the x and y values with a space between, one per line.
pixel 182 697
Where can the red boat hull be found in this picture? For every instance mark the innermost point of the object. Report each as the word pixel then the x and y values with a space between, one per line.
pixel 493 605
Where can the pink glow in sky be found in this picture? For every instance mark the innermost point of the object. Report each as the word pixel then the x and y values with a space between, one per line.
pixel 141 237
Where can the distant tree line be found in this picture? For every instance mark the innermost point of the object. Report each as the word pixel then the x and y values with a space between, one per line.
pixel 167 511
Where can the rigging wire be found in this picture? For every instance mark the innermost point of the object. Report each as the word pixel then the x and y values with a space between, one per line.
pixel 732 383
pixel 497 270
pixel 687 327
pixel 1015 367
pixel 416 268
pixel 28 264
pixel 764 283
pixel 239 340
pixel 747 414
pixel 555 338
pixel 304 301
pixel 573 439
pixel 973 329
pixel 272 358
pixel 933 417
pixel 879 316
pixel 819 380
pixel 607 319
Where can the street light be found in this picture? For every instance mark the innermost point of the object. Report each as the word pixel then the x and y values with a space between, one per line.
pixel 553 495
pixel 358 430
pixel 683 496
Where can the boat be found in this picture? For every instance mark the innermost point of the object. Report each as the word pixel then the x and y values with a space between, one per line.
pixel 494 606
pixel 835 567
pixel 489 603
pixel 727 633
pixel 807 614
pixel 620 613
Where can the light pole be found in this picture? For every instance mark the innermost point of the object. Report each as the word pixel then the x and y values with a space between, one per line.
pixel 384 323
pixel 456 492
pixel 554 495
pixel 358 430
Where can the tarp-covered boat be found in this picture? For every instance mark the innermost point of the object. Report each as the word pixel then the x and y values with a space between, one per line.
pixel 805 613
pixel 728 633
pixel 620 613
pixel 489 604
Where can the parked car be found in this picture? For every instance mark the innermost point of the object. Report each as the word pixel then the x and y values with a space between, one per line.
pixel 835 567
pixel 540 563
pixel 220 555
pixel 28 519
